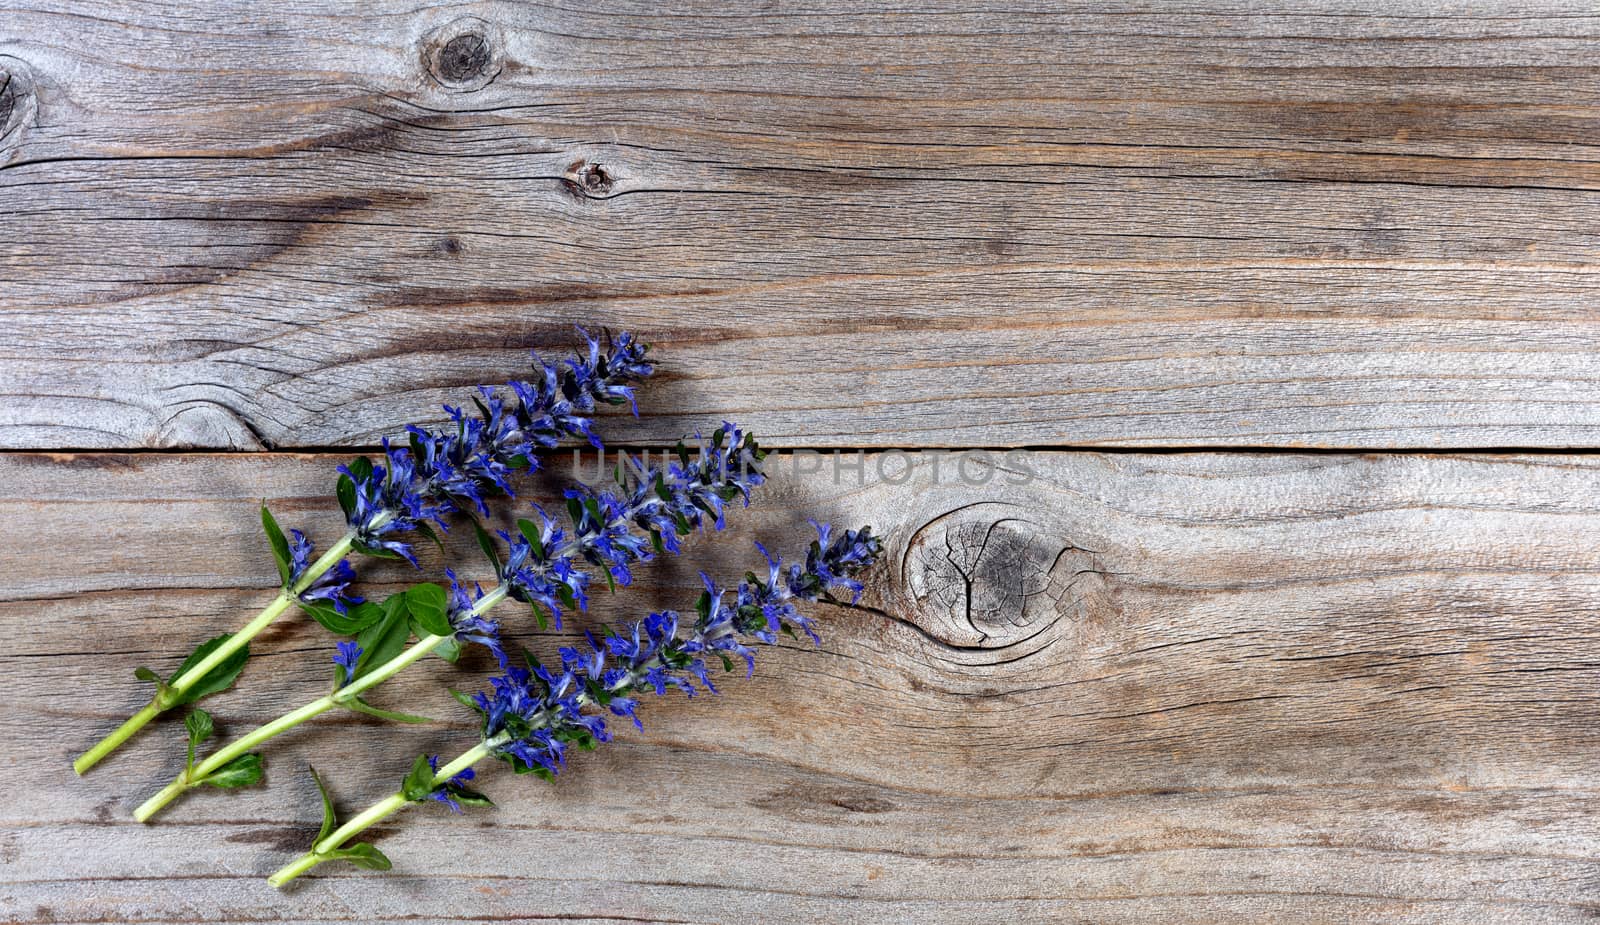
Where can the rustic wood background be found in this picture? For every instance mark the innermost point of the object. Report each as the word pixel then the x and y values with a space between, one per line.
pixel 1333 662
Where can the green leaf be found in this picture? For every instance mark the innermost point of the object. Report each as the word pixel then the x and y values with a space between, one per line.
pixel 376 552
pixel 240 772
pixel 449 650
pixel 329 820
pixel 470 797
pixel 361 466
pixel 727 663
pixel 361 706
pixel 575 510
pixel 217 679
pixel 145 674
pixel 386 638
pixel 432 534
pixel 486 543
pixel 464 699
pixel 280 544
pixel 356 617
pixel 200 727
pixel 535 537
pixel 363 855
pixel 346 493
pixel 427 604
pixel 419 782
pixel 539 616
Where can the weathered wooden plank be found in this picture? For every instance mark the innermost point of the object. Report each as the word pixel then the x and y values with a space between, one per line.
pixel 1190 687
pixel 1072 225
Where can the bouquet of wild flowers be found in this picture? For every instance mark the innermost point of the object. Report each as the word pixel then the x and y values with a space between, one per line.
pixel 533 713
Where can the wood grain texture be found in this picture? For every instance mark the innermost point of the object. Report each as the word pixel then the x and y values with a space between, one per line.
pixel 1099 687
pixel 1372 225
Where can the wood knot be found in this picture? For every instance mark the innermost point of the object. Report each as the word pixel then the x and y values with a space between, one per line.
pixel 588 180
pixel 19 106
pixel 992 575
pixel 463 55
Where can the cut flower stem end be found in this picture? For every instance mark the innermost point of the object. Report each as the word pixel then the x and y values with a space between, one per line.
pixel 369 817
pixel 172 694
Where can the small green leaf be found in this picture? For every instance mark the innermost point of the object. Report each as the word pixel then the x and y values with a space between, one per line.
pixel 419 782
pixel 329 820
pixel 361 706
pixel 361 466
pixel 363 855
pixel 200 727
pixel 727 663
pixel 376 552
pixel 486 543
pixel 464 699
pixel 575 510
pixel 240 772
pixel 217 679
pixel 427 605
pixel 535 537
pixel 346 492
pixel 356 617
pixel 280 544
pixel 449 650
pixel 568 599
pixel 432 534
pixel 145 674
pixel 386 638
pixel 470 797
pixel 539 616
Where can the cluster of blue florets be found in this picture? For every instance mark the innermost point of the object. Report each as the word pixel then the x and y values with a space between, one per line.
pixel 531 715
pixel 457 466
pixel 330 585
pixel 546 565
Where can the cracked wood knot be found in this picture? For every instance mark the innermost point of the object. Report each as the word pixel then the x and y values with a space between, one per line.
pixel 19 106
pixel 993 574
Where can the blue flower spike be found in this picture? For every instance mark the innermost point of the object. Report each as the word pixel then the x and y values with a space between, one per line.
pixel 532 716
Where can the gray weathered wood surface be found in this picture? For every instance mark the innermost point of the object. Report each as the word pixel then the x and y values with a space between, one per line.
pixel 1372 225
pixel 1186 687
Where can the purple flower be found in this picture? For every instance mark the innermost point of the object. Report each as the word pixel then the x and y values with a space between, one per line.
pixel 614 529
pixel 459 465
pixel 530 713
pixel 452 791
pixel 330 585
pixel 348 655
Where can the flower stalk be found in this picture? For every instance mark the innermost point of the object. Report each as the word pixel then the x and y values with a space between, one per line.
pixel 443 471
pixel 541 569
pixel 531 715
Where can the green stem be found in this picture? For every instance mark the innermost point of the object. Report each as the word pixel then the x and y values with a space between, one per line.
pixel 371 816
pixel 123 732
pixel 195 776
pixel 395 802
pixel 180 685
